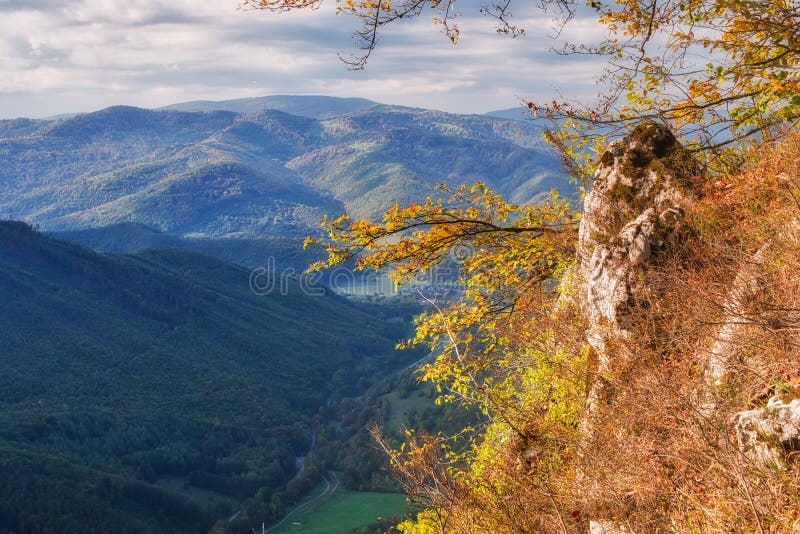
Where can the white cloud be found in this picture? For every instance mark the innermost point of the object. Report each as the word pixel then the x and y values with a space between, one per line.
pixel 78 55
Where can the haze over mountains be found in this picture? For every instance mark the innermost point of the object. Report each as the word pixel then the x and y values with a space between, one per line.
pixel 255 172
pixel 314 107
pixel 145 386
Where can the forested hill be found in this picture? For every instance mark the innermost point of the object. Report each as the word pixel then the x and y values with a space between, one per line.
pixel 260 173
pixel 134 383
pixel 285 253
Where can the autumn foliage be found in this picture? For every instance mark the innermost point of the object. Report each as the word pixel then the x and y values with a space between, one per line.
pixel 661 453
pixel 515 346
pixel 720 73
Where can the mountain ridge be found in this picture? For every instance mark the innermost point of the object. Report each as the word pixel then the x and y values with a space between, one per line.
pixel 312 106
pixel 257 174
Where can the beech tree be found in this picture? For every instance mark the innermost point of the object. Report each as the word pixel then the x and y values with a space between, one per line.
pixel 494 347
pixel 719 73
pixel 505 253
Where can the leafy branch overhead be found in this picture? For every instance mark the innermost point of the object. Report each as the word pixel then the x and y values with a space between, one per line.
pixel 420 236
pixel 373 15
pixel 503 253
pixel 717 71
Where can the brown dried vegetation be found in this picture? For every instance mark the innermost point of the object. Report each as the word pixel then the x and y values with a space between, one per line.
pixel 657 459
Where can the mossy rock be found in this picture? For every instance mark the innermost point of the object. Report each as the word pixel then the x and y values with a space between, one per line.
pixel 652 147
pixel 647 158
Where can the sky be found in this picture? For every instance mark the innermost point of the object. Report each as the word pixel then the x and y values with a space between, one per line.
pixel 67 56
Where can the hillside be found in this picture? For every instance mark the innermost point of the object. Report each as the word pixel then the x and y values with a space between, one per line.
pixel 127 238
pixel 648 384
pixel 267 173
pixel 154 392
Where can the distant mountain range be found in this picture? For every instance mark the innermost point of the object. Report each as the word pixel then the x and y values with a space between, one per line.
pixel 236 169
pixel 314 107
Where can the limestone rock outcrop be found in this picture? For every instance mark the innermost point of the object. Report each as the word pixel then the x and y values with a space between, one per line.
pixel 632 219
pixel 763 433
pixel 633 222
pixel 631 215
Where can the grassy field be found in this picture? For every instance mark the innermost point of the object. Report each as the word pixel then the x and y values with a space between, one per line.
pixel 401 406
pixel 338 511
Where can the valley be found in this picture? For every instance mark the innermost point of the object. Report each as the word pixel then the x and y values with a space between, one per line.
pixel 146 386
pixel 532 269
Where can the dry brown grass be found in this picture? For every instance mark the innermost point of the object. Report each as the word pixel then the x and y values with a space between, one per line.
pixel 658 459
pixel 660 462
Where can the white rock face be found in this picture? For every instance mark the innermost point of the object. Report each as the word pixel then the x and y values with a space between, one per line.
pixel 606 527
pixel 632 219
pixel 726 348
pixel 632 216
pixel 764 433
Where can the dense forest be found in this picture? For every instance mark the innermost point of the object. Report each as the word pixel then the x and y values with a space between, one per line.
pixel 157 391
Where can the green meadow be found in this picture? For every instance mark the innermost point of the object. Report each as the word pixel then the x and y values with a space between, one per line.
pixel 340 510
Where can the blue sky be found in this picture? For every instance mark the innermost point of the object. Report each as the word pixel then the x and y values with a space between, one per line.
pixel 63 56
